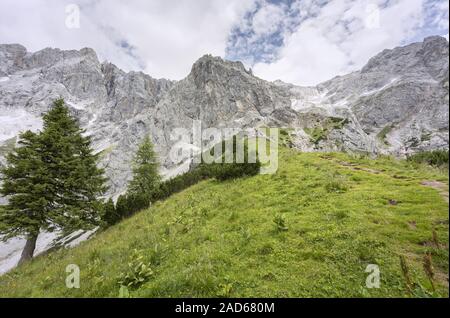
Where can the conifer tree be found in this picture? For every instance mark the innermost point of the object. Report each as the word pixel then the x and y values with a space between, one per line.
pixel 146 178
pixel 52 181
pixel 110 215
pixel 25 181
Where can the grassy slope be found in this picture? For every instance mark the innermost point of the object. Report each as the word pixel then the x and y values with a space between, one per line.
pixel 219 239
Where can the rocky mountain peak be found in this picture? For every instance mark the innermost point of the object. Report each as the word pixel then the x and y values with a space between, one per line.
pixel 435 40
pixel 52 56
pixel 215 69
pixel 11 58
pixel 425 57
pixel 433 48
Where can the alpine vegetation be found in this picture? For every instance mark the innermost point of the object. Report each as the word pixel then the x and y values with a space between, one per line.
pixel 221 183
pixel 52 181
pixel 142 189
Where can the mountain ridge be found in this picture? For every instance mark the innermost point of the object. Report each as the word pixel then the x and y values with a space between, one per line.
pixel 401 92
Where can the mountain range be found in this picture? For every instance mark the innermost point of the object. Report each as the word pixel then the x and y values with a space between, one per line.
pixel 396 104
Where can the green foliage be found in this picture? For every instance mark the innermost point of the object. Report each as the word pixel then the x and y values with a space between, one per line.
pixel 7 146
pixel 323 254
pixel 138 272
pixel 316 134
pixel 336 185
pixel 280 223
pixel 320 131
pixel 225 290
pixel 434 158
pixel 146 178
pixel 220 171
pixel 110 214
pixel 124 292
pixel 183 181
pixel 384 132
pixel 128 204
pixel 227 171
pixel 142 189
pixel 25 180
pixel 52 179
pixel 285 138
pixel 224 171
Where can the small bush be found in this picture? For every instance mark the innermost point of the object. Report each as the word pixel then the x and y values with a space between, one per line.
pixel 224 171
pixel 110 215
pixel 336 184
pixel 220 171
pixel 433 158
pixel 316 134
pixel 138 272
pixel 227 171
pixel 225 290
pixel 280 223
pixel 181 182
pixel 384 132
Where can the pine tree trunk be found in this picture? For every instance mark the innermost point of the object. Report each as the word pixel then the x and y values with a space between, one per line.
pixel 28 250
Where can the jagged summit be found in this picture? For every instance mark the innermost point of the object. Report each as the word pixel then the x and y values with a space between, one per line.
pixel 426 54
pixel 214 68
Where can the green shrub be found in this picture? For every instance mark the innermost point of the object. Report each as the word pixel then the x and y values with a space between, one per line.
pixel 220 171
pixel 110 215
pixel 336 184
pixel 224 171
pixel 181 182
pixel 280 223
pixel 384 132
pixel 127 205
pixel 227 171
pixel 138 272
pixel 316 134
pixel 433 158
pixel 225 290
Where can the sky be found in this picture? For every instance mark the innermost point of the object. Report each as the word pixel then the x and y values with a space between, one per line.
pixel 303 42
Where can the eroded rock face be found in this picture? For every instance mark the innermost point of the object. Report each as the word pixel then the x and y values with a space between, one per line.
pixel 397 103
pixel 112 105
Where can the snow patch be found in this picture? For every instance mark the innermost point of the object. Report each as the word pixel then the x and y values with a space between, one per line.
pixel 307 101
pixel 4 79
pixel 374 91
pixel 13 121
pixel 11 250
pixel 80 105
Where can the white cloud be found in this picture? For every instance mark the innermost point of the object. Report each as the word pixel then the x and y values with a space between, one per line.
pixel 166 36
pixel 341 38
pixel 267 20
pixel 320 39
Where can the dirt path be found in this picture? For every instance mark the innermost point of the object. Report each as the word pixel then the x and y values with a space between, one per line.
pixel 352 166
pixel 437 185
